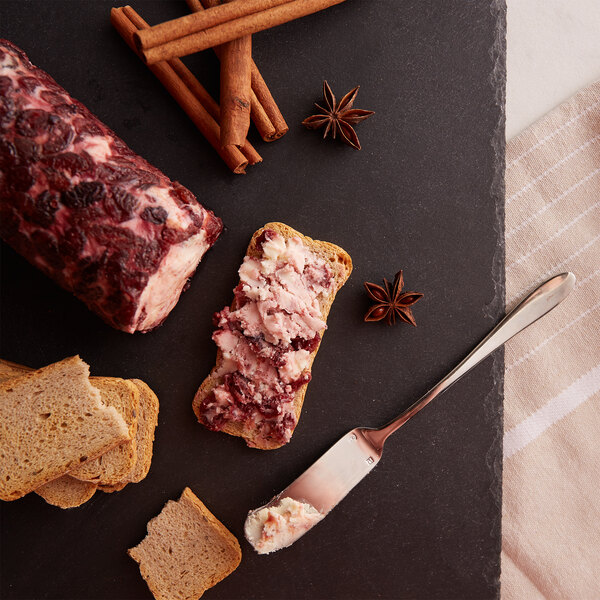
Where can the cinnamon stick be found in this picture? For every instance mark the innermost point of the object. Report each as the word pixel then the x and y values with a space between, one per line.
pixel 197 89
pixel 264 111
pixel 186 43
pixel 224 12
pixel 189 94
pixel 236 57
pixel 266 101
pixel 261 120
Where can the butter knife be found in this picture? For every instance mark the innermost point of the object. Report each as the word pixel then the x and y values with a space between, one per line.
pixel 307 500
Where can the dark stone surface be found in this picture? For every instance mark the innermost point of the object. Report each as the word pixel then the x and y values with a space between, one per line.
pixel 424 194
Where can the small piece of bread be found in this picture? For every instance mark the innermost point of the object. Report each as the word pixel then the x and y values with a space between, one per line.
pixel 51 420
pixel 66 492
pixel 187 550
pixel 341 265
pixel 114 466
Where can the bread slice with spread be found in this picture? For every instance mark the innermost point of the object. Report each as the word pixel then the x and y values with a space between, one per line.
pixel 268 338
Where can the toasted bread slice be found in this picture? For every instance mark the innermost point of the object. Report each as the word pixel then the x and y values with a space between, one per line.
pixel 51 420
pixel 341 264
pixel 66 492
pixel 187 550
pixel 114 466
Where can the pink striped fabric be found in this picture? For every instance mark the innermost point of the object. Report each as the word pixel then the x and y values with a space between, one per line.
pixel 551 489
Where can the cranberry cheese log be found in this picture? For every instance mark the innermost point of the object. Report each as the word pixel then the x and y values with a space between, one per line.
pixel 269 337
pixel 81 206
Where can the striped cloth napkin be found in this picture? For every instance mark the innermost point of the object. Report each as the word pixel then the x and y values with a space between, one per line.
pixel 551 488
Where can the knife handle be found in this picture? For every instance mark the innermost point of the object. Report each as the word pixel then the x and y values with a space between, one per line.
pixel 541 301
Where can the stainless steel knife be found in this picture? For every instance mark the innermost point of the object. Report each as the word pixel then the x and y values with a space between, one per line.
pixel 357 453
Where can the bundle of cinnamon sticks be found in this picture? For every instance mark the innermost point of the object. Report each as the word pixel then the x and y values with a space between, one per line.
pixel 227 27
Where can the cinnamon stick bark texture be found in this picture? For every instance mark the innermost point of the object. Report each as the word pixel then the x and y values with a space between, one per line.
pixel 267 103
pixel 264 111
pixel 186 43
pixel 223 12
pixel 236 57
pixel 189 94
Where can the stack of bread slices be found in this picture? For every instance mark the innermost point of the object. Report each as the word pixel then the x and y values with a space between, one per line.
pixel 64 434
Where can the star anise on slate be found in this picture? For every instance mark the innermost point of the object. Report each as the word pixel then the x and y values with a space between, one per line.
pixel 338 117
pixel 391 302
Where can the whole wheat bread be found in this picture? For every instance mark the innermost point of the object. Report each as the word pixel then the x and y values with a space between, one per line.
pixel 66 492
pixel 64 496
pixel 10 370
pixel 187 550
pixel 147 421
pixel 52 420
pixel 114 466
pixel 341 264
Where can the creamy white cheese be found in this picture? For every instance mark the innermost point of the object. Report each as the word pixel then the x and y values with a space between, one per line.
pixel 164 287
pixel 279 526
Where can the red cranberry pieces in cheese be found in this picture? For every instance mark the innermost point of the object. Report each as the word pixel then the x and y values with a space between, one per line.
pixel 267 337
pixel 85 209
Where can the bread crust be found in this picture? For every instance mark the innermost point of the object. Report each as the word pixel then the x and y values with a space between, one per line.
pixel 115 465
pixel 147 422
pixel 341 264
pixel 66 492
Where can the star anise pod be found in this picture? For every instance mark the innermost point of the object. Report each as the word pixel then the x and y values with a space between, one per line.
pixel 338 117
pixel 391 302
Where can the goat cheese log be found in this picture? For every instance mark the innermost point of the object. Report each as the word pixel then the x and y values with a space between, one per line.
pixel 81 206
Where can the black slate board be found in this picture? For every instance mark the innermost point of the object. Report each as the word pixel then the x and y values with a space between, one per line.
pixel 425 195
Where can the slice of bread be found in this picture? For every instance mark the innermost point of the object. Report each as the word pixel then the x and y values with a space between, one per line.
pixel 341 264
pixel 64 496
pixel 114 466
pixel 66 492
pixel 51 420
pixel 147 422
pixel 187 550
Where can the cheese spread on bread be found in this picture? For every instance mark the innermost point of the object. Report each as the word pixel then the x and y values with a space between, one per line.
pixel 266 338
